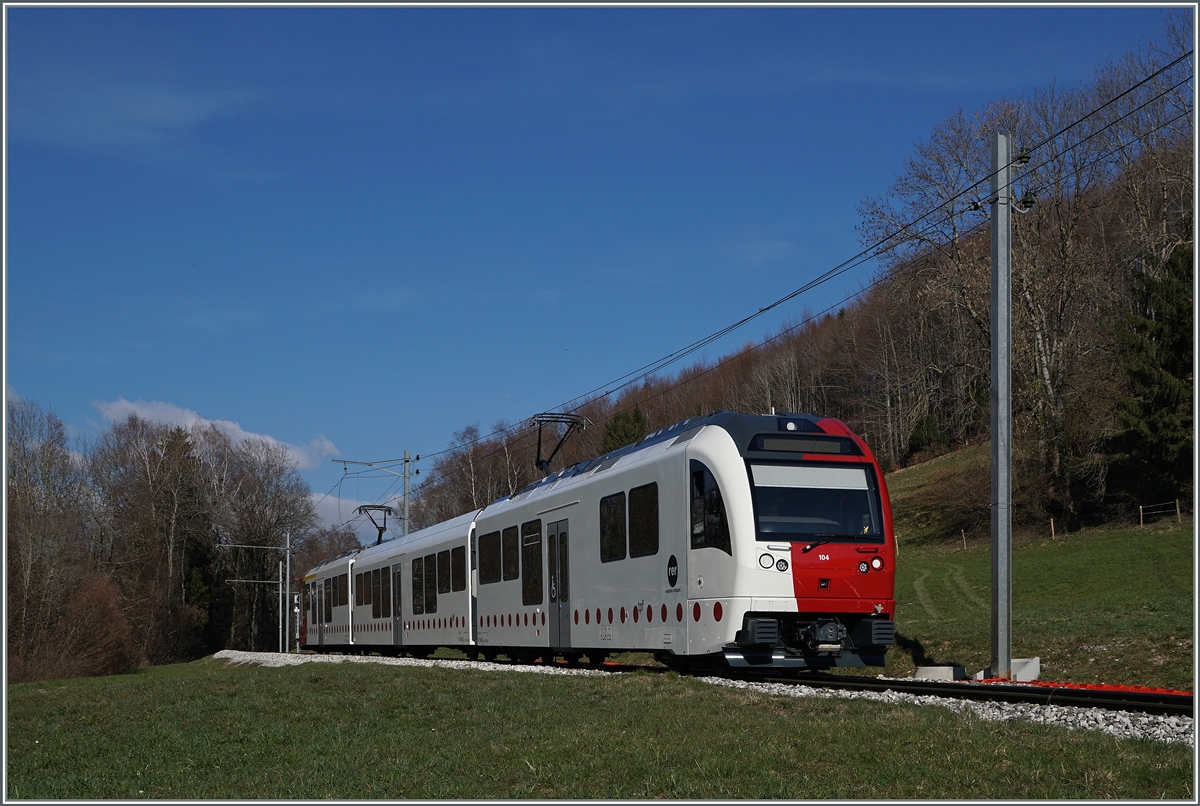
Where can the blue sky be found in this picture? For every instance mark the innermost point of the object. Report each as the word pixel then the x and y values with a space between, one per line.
pixel 358 230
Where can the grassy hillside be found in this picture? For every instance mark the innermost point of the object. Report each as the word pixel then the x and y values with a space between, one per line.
pixel 203 730
pixel 1110 605
pixel 936 501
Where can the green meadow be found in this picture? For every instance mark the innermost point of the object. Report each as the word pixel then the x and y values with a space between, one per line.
pixel 355 731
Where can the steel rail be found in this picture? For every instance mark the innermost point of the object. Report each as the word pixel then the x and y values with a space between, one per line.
pixel 1162 703
pixel 1115 698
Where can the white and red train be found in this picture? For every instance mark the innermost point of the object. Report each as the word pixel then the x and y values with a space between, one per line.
pixel 733 539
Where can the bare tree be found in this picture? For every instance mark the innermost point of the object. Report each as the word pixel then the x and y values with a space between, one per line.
pixel 62 615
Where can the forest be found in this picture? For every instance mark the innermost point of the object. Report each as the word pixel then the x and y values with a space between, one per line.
pixel 154 543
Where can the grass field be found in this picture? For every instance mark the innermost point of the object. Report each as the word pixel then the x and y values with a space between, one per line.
pixel 1110 605
pixel 203 730
pixel 1101 606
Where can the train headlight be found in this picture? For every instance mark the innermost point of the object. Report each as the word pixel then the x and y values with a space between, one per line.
pixel 781 565
pixel 766 560
pixel 863 567
pixel 877 563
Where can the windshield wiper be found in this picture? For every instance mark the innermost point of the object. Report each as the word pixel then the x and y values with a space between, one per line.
pixel 812 546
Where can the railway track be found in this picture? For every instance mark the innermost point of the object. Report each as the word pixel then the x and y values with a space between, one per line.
pixel 1111 698
pixel 1159 702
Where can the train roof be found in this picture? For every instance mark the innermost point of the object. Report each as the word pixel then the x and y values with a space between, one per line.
pixel 399 545
pixel 741 427
pixel 418 538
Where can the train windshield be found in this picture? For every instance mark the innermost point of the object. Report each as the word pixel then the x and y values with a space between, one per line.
pixel 816 502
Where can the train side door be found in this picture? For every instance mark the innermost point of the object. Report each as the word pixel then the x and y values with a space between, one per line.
pixel 560 584
pixel 321 594
pixel 397 606
pixel 473 588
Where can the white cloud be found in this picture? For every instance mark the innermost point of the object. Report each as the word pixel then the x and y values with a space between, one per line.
pixel 306 457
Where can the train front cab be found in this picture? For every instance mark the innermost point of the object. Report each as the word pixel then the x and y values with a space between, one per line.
pixel 791 536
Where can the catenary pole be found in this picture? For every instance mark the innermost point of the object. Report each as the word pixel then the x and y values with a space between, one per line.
pixel 1001 410
pixel 406 475
pixel 287 620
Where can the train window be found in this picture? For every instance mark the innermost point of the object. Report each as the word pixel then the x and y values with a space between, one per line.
pixel 564 564
pixel 710 525
pixel 397 602
pixel 643 520
pixel 431 583
pixel 552 560
pixel 337 590
pixel 443 563
pixel 804 443
pixel 802 502
pixel 489 558
pixel 328 599
pixel 376 599
pixel 418 586
pixel 366 587
pixel 358 590
pixel 612 527
pixel 510 547
pixel 531 560
pixel 458 568
pixel 385 593
pixel 308 603
pixel 344 595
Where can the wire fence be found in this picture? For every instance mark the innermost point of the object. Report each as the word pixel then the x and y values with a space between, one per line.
pixel 1152 512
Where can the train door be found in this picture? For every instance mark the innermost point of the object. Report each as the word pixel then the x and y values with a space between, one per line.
pixel 473 583
pixel 321 594
pixel 310 609
pixel 397 607
pixel 560 586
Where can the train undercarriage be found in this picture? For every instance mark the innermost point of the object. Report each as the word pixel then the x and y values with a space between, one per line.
pixel 810 641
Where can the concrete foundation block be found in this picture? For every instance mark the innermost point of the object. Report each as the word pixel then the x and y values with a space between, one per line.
pixel 1024 670
pixel 940 673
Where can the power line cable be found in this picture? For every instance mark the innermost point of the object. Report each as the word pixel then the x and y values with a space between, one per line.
pixel 879 281
pixel 644 371
pixel 874 250
pixel 863 258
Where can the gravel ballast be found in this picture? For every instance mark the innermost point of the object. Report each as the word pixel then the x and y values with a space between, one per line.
pixel 1122 724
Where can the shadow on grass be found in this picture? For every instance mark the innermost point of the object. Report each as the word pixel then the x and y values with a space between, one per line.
pixel 916 649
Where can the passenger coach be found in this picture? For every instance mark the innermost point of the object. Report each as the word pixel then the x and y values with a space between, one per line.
pixel 732 539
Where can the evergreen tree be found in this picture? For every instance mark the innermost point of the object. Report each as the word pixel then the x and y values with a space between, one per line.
pixel 625 428
pixel 1154 447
